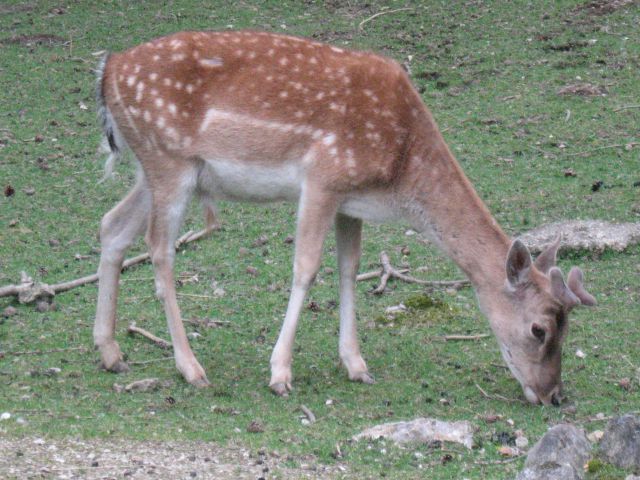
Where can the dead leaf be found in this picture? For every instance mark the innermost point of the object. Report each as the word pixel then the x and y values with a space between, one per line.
pixel 9 191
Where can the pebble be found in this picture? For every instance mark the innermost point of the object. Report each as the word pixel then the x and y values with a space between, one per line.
pixel 9 311
pixel 5 416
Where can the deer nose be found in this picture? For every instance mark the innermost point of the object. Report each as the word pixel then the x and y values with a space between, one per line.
pixel 555 400
pixel 555 397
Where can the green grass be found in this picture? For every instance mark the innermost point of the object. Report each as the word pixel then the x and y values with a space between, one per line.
pixel 489 71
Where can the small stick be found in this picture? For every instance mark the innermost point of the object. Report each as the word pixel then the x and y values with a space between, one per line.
pixel 626 107
pixel 498 397
pixel 308 413
pixel 464 337
pixel 384 12
pixel 153 360
pixel 45 352
pixel 618 145
pixel 141 331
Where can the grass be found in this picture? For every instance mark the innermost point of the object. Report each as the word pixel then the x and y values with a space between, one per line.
pixel 489 71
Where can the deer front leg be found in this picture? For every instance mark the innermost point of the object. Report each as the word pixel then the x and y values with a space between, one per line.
pixel 348 240
pixel 118 229
pixel 166 217
pixel 315 214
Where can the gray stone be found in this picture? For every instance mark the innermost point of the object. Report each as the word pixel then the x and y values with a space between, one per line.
pixel 560 454
pixel 620 444
pixel 557 472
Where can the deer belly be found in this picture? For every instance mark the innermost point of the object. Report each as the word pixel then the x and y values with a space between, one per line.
pixel 250 181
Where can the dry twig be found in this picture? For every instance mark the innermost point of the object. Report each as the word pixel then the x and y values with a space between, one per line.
pixel 499 397
pixel 308 413
pixel 383 12
pixel 464 337
pixel 626 107
pixel 389 271
pixel 141 331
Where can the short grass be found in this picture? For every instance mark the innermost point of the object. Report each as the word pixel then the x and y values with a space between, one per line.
pixel 489 71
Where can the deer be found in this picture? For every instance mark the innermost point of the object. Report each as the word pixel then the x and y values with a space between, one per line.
pixel 262 117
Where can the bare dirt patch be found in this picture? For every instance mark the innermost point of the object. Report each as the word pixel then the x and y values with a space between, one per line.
pixel 105 459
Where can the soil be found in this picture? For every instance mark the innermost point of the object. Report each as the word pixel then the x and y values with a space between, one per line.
pixel 33 457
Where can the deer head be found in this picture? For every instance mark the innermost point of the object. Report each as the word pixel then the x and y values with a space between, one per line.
pixel 531 316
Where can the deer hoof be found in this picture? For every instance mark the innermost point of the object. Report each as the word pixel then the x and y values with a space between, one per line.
pixel 201 382
pixel 281 389
pixel 118 367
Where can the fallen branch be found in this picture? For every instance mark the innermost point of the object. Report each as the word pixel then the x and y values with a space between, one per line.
pixel 28 291
pixel 141 331
pixel 389 271
pixel 384 12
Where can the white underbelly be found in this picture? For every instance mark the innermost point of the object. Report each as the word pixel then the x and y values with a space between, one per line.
pixel 251 181
pixel 371 208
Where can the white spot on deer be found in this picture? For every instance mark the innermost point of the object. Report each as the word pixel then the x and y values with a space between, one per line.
pixel 320 95
pixel 283 94
pixel 147 116
pixel 125 67
pixel 337 50
pixel 299 56
pixel 298 114
pixel 271 52
pixel 283 61
pixel 266 105
pixel 369 125
pixel 160 122
pixel 153 76
pixel 333 151
pixel 329 140
pixel 213 62
pixel 346 80
pixel 235 40
pixel 156 57
pixel 269 78
pixel 196 53
pixel 139 91
pixel 239 53
pixel 137 69
pixel 131 80
pixel 173 110
pixel 159 102
pixel 189 88
pixel 176 44
pixel 167 82
pixel 178 57
pixel 317 134
pixel 251 55
pixel 185 114
pixel 178 85
pixel 154 91
pixel 172 133
pixel 134 111
pixel 313 61
pixel 121 78
pixel 186 142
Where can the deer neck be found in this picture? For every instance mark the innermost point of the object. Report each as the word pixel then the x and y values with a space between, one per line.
pixel 443 204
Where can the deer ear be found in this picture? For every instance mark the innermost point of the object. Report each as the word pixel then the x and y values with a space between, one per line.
pixel 547 259
pixel 560 291
pixel 518 264
pixel 575 285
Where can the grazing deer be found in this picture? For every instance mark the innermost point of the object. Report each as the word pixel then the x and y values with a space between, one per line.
pixel 258 116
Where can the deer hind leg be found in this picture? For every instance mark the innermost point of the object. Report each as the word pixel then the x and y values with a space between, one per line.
pixel 174 192
pixel 315 215
pixel 348 236
pixel 118 230
pixel 210 213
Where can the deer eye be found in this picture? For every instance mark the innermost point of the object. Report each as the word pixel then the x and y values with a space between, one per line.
pixel 538 332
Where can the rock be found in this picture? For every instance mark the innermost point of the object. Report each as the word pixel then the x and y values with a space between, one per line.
pixel 423 430
pixel 593 235
pixel 620 443
pixel 561 472
pixel 146 385
pixel 632 477
pixel 559 455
